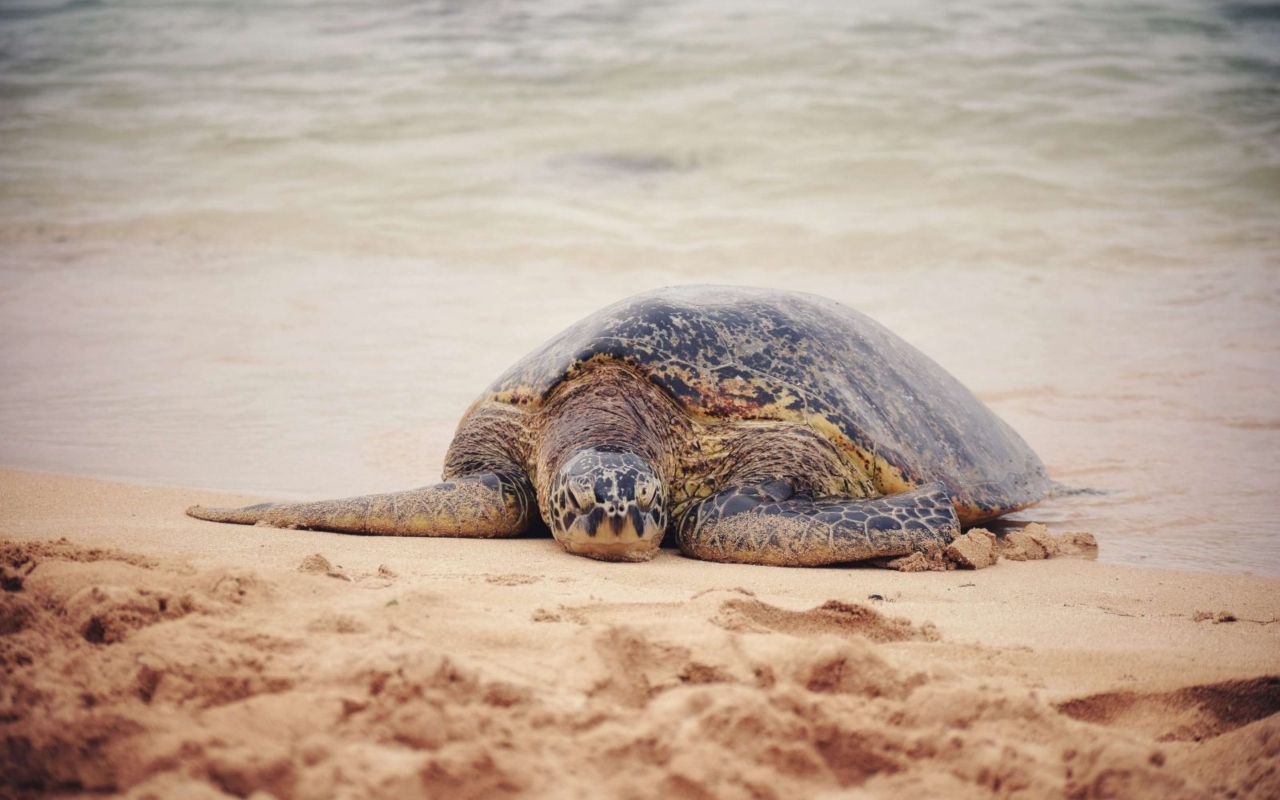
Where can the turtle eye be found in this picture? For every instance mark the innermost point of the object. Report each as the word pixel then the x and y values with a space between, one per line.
pixel 582 494
pixel 645 492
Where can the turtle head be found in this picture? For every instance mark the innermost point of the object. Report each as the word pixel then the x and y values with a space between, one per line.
pixel 608 505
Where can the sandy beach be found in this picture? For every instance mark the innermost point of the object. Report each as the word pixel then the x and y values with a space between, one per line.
pixel 274 251
pixel 147 654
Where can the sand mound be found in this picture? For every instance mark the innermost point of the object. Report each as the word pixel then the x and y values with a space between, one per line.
pixel 1192 713
pixel 128 675
pixel 833 617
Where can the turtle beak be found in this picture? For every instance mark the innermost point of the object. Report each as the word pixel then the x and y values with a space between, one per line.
pixel 614 534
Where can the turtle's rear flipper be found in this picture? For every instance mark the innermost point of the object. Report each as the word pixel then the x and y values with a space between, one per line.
pixel 1058 489
pixel 483 505
pixel 764 525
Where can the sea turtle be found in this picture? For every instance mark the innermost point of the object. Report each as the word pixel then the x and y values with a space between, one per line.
pixel 753 425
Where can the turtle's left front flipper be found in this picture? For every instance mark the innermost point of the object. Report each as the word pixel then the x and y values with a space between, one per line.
pixel 767 525
pixel 481 505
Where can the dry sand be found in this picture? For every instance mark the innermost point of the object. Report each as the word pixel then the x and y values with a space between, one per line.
pixel 152 655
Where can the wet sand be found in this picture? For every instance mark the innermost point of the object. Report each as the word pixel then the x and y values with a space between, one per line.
pixel 152 655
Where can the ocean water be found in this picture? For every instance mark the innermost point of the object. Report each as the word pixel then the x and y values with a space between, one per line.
pixel 280 246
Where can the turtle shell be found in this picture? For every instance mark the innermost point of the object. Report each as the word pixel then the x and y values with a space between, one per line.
pixel 728 353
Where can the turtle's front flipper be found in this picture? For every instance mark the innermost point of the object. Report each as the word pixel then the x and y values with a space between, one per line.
pixel 484 505
pixel 767 525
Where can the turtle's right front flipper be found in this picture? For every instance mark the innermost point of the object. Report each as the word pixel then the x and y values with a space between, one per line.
pixel 480 506
pixel 767 524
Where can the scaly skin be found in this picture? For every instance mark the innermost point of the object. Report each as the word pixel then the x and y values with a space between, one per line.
pixel 483 506
pixel 767 525
pixel 733 486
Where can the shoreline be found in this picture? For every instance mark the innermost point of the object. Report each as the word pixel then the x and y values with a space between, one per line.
pixel 221 657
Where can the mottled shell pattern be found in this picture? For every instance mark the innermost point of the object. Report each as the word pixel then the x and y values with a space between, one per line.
pixel 741 354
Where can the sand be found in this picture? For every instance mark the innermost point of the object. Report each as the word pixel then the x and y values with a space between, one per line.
pixel 147 654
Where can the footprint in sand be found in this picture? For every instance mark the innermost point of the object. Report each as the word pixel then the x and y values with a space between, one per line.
pixel 746 614
pixel 317 564
pixel 639 666
pixel 512 579
pixel 1193 713
pixel 834 617
pixel 640 662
